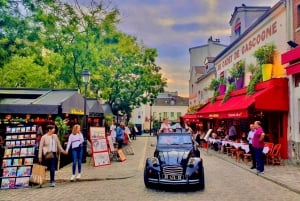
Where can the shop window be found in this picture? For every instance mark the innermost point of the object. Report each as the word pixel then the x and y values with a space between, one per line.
pixel 172 114
pixel 297 80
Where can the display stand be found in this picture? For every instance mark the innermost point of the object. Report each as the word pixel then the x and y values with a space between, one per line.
pixel 100 152
pixel 17 162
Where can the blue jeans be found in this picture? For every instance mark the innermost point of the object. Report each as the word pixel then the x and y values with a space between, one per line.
pixel 259 159
pixel 51 165
pixel 77 159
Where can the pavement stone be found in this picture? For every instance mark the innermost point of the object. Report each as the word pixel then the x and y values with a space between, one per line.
pixel 287 175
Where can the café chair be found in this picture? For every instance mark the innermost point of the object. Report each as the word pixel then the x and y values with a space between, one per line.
pixel 247 158
pixel 270 146
pixel 274 157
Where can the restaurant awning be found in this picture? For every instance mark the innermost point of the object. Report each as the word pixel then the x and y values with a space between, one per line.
pixel 271 95
pixel 40 101
pixel 190 116
pixel 95 108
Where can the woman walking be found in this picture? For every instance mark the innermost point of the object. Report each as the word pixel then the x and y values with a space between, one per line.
pixel 50 145
pixel 75 141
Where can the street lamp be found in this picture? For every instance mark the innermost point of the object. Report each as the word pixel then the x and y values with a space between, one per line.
pixel 118 102
pixel 150 117
pixel 86 76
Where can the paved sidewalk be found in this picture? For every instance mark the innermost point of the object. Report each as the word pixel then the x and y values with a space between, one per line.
pixel 116 170
pixel 287 176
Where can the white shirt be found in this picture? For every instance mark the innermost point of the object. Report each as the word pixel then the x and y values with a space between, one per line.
pixel 75 140
pixel 250 136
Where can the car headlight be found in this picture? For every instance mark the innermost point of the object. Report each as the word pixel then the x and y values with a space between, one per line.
pixel 154 162
pixel 191 162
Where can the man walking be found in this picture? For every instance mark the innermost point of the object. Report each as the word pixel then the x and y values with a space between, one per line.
pixel 250 138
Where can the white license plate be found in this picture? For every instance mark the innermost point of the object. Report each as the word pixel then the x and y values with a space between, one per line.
pixel 172 177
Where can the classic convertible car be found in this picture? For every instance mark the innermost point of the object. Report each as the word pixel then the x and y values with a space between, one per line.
pixel 176 161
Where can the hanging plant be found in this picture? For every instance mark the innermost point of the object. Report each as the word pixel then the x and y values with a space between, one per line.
pixel 213 99
pixel 255 79
pixel 231 87
pixel 214 84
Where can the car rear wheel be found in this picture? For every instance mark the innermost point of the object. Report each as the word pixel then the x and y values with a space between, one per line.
pixel 202 180
pixel 146 180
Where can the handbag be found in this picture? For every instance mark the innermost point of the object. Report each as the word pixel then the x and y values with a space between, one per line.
pixel 49 155
pixel 38 174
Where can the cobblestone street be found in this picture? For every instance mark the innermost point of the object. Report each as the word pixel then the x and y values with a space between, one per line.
pixel 224 181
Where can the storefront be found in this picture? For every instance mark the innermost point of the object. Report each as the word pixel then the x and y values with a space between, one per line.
pixel 291 59
pixel 269 104
pixel 96 113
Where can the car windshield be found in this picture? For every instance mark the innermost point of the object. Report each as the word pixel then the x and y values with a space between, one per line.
pixel 174 139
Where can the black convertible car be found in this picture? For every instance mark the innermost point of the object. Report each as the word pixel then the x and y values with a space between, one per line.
pixel 176 161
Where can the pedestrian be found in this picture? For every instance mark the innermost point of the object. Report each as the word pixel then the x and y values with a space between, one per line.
pixel 50 143
pixel 120 134
pixel 181 126
pixel 75 142
pixel 112 129
pixel 258 144
pixel 232 133
pixel 250 138
pixel 165 126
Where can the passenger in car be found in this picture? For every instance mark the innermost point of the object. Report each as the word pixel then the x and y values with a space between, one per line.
pixel 165 126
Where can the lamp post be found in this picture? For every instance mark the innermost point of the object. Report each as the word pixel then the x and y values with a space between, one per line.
pixel 86 76
pixel 150 118
pixel 118 102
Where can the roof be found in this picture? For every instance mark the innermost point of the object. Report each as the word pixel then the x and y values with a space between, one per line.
pixel 41 101
pixel 95 108
pixel 250 28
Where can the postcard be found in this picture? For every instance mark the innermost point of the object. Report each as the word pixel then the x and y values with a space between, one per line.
pixel 20 137
pixel 23 142
pixel 8 129
pixel 14 137
pixel 13 130
pixel 16 152
pixel 7 152
pixel 28 161
pixel 8 183
pixel 18 129
pixel 33 128
pixel 30 151
pixel 33 136
pixel 28 129
pixel 17 142
pixel 23 171
pixel 22 182
pixel 9 171
pixel 8 137
pixel 17 161
pixel 6 162
pixel 22 129
pixel 23 151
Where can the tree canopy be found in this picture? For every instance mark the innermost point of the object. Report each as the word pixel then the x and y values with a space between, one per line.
pixel 47 44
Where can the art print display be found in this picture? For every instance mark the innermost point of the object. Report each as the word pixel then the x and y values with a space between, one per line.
pixel 99 145
pixel 18 156
pixel 97 132
pixel 101 158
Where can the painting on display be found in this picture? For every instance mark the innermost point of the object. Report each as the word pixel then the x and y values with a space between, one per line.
pixel 99 145
pixel 101 158
pixel 97 132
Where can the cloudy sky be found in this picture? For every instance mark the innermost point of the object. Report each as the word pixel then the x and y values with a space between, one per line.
pixel 174 26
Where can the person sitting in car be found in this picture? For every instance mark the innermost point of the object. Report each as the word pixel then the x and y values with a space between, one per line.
pixel 181 126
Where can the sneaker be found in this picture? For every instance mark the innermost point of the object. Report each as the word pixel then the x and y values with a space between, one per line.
pixel 52 184
pixel 78 176
pixel 260 172
pixel 72 178
pixel 253 168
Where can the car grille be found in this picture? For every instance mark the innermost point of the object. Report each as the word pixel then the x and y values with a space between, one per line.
pixel 173 170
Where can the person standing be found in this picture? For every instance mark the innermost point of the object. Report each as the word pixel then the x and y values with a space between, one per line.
pixel 120 134
pixel 165 126
pixel 232 133
pixel 258 144
pixel 250 138
pixel 50 143
pixel 75 142
pixel 112 129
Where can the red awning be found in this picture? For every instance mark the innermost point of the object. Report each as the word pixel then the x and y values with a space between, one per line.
pixel 191 117
pixel 271 95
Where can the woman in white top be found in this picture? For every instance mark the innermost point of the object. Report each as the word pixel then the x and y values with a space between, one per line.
pixel 165 126
pixel 76 141
pixel 181 126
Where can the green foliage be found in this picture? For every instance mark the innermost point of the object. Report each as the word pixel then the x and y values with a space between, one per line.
pixel 55 41
pixel 63 128
pixel 216 93
pixel 255 79
pixel 238 70
pixel 222 80
pixel 230 88
pixel 264 54
pixel 252 68
pixel 214 84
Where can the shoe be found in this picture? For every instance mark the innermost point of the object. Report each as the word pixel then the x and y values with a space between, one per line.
pixel 260 172
pixel 252 167
pixel 73 177
pixel 52 184
pixel 78 176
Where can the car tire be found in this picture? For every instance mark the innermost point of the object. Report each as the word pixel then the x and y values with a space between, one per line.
pixel 146 182
pixel 202 180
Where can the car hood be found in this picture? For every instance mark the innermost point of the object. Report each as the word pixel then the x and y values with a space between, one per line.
pixel 172 157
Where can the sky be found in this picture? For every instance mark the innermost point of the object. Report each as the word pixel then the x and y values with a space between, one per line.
pixel 174 26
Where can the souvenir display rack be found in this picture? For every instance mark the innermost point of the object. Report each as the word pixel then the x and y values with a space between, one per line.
pixel 17 160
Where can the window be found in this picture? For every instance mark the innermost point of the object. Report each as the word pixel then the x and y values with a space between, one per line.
pixel 297 80
pixel 178 114
pixel 237 27
pixel 165 114
pixel 172 114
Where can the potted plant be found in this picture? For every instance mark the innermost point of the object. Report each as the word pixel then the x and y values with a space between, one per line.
pixel 237 72
pixel 214 84
pixel 222 85
pixel 264 56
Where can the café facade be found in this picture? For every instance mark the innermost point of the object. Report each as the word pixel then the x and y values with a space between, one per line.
pixel 270 102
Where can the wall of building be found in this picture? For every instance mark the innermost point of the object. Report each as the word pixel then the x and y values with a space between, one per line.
pixel 296 21
pixel 271 30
